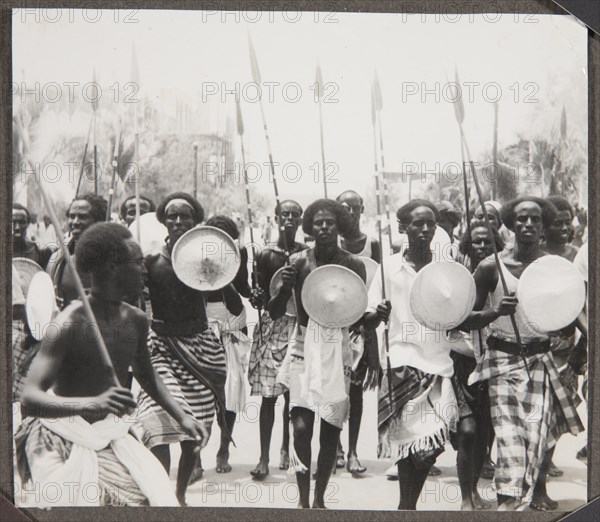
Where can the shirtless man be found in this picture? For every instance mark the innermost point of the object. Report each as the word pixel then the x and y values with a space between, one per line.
pixel 83 212
pixel 521 468
pixel 22 247
pixel 271 342
pixel 70 364
pixel 127 210
pixel 184 349
pixel 324 220
pixel 358 243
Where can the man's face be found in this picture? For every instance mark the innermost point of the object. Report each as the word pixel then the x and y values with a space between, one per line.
pixel 481 244
pixel 421 228
pixel 291 215
pixel 479 218
pixel 132 272
pixel 528 224
pixel 130 210
pixel 353 205
pixel 324 228
pixel 19 224
pixel 178 220
pixel 558 232
pixel 80 218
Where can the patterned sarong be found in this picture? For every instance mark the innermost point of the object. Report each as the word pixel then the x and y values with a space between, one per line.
pixel 528 417
pixel 417 422
pixel 20 356
pixel 40 450
pixel 194 371
pixel 266 357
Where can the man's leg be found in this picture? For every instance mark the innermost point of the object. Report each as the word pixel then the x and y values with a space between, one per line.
pixel 266 421
pixel 465 460
pixel 163 455
pixel 540 500
pixel 187 461
pixel 481 451
pixel 328 444
pixel 284 454
pixel 355 417
pixel 411 482
pixel 303 421
pixel 223 453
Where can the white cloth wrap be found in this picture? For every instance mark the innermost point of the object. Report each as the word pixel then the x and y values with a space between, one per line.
pixel 82 465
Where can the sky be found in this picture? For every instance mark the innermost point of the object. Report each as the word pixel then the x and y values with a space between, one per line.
pixel 514 59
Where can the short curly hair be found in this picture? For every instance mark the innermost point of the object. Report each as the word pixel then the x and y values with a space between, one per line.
pixel 561 204
pixel 507 214
pixel 101 243
pixel 194 203
pixel 18 206
pixel 123 208
pixel 225 224
pixel 340 212
pixel 403 213
pixel 97 203
pixel 281 203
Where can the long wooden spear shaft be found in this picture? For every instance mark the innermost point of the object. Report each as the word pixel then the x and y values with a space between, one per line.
pixel 87 141
pixel 282 234
pixel 240 129
pixel 495 250
pixel 136 158
pixel 386 332
pixel 94 109
pixel 319 92
pixel 115 168
pixel 104 355
pixel 386 193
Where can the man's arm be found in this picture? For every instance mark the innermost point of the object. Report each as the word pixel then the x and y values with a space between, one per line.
pixel 375 250
pixel 36 401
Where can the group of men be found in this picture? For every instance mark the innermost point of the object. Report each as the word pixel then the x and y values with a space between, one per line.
pixel 189 351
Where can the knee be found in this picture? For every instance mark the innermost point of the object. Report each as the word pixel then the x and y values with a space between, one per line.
pixel 468 431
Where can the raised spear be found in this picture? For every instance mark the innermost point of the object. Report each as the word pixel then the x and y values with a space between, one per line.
pixel 87 141
pixel 459 113
pixel 94 115
pixel 319 93
pixel 256 79
pixel 240 129
pixel 135 79
pixel 115 168
pixel 386 194
pixel 563 137
pixel 386 332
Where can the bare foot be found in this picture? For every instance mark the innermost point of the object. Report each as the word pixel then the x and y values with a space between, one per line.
pixel 181 499
pixel 434 471
pixel 478 502
pixel 198 471
pixel 467 506
pixel 543 503
pixel 318 505
pixel 223 462
pixel 261 470
pixel 488 469
pixel 303 506
pixel 354 466
pixel 340 461
pixel 284 459
pixel 553 471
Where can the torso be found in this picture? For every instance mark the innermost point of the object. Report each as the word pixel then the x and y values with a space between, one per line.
pixel 271 259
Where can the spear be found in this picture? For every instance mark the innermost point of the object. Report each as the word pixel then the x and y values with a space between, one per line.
pixel 460 114
pixel 494 151
pixel 94 109
pixel 386 336
pixel 256 79
pixel 195 172
pixel 563 137
pixel 87 141
pixel 240 129
pixel 319 93
pixel 135 79
pixel 106 360
pixel 115 167
pixel 386 194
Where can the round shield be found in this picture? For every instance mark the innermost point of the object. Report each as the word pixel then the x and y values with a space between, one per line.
pixel 40 305
pixel 26 269
pixel 334 295
pixel 551 293
pixel 206 258
pixel 275 285
pixel 371 267
pixel 442 295
pixel 152 233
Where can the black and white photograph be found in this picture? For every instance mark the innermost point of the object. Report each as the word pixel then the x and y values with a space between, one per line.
pixel 299 259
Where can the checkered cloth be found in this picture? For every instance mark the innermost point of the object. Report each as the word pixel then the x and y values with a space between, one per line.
pixel 193 370
pixel 24 347
pixel 266 356
pixel 528 417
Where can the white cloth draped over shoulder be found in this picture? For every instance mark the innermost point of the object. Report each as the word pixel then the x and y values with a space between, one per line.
pixel 81 467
